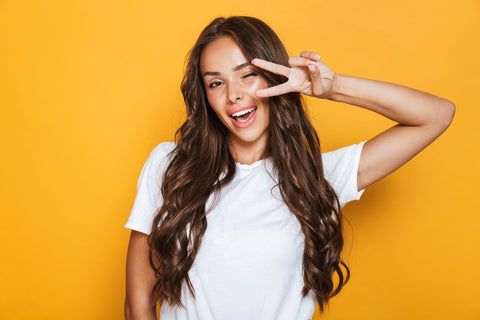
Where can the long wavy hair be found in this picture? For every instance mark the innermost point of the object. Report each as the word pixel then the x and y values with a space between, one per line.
pixel 201 164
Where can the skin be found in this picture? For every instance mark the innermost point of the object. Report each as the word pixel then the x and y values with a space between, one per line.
pixel 420 117
pixel 231 82
pixel 140 279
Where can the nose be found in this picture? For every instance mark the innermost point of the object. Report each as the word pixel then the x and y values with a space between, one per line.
pixel 235 93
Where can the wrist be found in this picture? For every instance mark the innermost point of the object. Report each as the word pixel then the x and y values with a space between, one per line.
pixel 336 87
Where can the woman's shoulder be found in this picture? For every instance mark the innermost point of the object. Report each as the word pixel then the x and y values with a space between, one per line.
pixel 337 160
pixel 163 149
pixel 341 169
pixel 159 156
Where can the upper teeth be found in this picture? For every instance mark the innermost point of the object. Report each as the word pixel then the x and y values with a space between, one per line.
pixel 241 113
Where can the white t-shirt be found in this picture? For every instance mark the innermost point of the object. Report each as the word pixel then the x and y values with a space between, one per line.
pixel 249 265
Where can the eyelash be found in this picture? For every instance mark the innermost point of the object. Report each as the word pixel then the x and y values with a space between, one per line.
pixel 214 84
pixel 217 83
pixel 250 74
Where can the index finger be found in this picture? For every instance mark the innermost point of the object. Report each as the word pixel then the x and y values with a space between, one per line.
pixel 272 67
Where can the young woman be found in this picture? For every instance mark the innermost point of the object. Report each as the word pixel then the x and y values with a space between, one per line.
pixel 240 218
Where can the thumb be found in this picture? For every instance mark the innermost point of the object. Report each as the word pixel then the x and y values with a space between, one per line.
pixel 315 79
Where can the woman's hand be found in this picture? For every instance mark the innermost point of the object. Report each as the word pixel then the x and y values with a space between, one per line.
pixel 306 75
pixel 421 117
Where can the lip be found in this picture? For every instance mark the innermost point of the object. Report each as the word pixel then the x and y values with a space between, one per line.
pixel 247 123
pixel 239 108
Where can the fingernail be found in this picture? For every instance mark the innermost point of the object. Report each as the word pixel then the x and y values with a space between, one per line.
pixel 317 57
pixel 311 68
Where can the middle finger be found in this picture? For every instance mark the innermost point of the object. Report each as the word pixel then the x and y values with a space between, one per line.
pixel 300 62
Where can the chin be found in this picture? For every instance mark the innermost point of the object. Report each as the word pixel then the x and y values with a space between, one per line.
pixel 249 138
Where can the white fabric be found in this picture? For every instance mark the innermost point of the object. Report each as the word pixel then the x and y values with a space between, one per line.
pixel 249 265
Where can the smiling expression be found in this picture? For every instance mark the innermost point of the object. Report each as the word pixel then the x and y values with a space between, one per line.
pixel 231 82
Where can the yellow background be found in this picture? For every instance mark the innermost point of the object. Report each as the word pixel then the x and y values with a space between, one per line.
pixel 89 88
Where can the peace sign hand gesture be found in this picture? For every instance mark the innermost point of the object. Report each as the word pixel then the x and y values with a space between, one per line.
pixel 306 75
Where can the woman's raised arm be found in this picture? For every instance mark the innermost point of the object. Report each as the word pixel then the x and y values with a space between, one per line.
pixel 421 117
pixel 140 279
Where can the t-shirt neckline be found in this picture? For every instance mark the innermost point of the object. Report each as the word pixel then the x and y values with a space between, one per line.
pixel 250 166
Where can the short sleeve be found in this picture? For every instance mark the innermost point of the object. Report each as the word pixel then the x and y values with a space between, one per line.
pixel 341 169
pixel 149 199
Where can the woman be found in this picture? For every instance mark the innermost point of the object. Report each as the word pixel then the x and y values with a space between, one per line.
pixel 241 217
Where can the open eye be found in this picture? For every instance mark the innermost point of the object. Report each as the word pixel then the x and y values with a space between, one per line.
pixel 215 84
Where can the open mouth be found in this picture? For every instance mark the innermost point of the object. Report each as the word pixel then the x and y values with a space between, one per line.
pixel 244 115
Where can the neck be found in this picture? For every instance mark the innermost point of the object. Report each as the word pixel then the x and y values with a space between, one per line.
pixel 247 152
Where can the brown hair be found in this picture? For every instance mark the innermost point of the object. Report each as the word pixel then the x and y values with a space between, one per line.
pixel 201 164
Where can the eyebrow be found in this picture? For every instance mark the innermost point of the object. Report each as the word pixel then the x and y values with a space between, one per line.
pixel 239 67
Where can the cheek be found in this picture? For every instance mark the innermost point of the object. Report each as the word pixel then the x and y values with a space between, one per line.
pixel 254 86
pixel 213 100
pixel 257 85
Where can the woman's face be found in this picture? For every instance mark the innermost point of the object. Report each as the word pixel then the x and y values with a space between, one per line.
pixel 230 83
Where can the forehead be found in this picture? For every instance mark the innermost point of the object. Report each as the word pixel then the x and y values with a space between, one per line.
pixel 221 55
